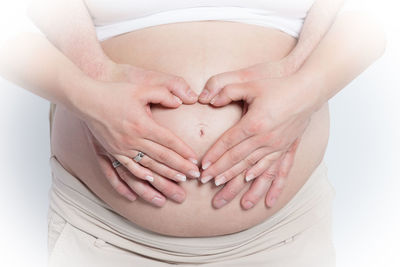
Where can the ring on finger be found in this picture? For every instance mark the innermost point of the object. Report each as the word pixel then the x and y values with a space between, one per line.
pixel 138 157
pixel 116 164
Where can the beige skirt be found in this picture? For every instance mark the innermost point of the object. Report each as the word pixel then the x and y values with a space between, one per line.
pixel 85 231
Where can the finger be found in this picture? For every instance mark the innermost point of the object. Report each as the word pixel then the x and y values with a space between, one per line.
pixel 215 83
pixel 135 168
pixel 239 167
pixel 167 139
pixel 169 189
pixel 169 158
pixel 179 87
pixel 113 178
pixel 262 165
pixel 161 95
pixel 257 190
pixel 233 156
pixel 229 139
pixel 161 169
pixel 142 188
pixel 233 92
pixel 229 191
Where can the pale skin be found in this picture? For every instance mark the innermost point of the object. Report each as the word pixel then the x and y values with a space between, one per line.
pixel 89 80
pixel 74 36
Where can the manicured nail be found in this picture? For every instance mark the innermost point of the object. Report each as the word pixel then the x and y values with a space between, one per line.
pixel 205 179
pixel 249 177
pixel 214 99
pixel 149 178
pixel 194 161
pixel 131 197
pixel 220 202
pixel 194 173
pixel 181 177
pixel 158 201
pixel 178 99
pixel 192 94
pixel 177 197
pixel 220 180
pixel 248 204
pixel 206 165
pixel 204 94
pixel 272 202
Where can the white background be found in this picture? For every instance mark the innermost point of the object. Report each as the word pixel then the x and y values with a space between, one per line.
pixel 363 159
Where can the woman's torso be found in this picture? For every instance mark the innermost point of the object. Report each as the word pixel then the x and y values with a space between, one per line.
pixel 194 51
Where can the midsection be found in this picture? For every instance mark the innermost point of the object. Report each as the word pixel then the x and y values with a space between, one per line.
pixel 194 51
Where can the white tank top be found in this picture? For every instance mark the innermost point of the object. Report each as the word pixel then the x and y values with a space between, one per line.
pixel 114 17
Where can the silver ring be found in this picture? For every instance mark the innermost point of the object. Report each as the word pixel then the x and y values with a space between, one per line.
pixel 116 164
pixel 139 156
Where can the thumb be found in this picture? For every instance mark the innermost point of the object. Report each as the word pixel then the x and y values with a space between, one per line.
pixel 231 92
pixel 163 97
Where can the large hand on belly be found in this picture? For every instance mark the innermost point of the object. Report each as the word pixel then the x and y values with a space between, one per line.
pixel 263 143
pixel 119 124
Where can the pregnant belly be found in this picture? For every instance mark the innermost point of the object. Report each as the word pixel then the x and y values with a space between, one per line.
pixel 195 51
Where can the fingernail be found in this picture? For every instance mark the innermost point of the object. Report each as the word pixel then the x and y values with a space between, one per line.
pixel 220 180
pixel 192 94
pixel 214 99
pixel 272 202
pixel 158 201
pixel 206 165
pixel 204 94
pixel 249 177
pixel 194 173
pixel 149 178
pixel 177 197
pixel 181 177
pixel 178 99
pixel 220 202
pixel 194 161
pixel 131 197
pixel 205 179
pixel 248 204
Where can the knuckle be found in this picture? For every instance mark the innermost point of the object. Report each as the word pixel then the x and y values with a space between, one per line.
pixel 125 161
pixel 178 82
pixel 250 160
pixel 231 192
pixel 214 83
pixel 163 156
pixel 246 74
pixel 234 156
pixel 254 126
pixel 226 142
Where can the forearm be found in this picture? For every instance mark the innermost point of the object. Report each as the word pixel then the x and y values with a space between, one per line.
pixel 30 61
pixel 351 45
pixel 68 26
pixel 318 21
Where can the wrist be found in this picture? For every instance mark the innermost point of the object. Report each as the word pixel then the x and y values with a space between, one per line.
pixel 101 69
pixel 307 96
pixel 78 93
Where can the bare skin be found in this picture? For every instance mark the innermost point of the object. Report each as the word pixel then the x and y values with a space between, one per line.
pixel 192 218
pixel 74 36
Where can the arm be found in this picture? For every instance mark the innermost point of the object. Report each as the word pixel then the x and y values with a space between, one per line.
pixel 44 71
pixel 317 23
pixel 350 46
pixel 69 27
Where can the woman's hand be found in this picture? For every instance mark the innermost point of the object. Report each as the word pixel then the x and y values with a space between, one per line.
pixel 119 117
pixel 265 140
pixel 131 187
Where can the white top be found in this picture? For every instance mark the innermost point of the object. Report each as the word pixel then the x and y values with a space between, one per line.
pixel 114 17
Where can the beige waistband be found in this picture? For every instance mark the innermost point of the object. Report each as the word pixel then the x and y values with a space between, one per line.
pixel 72 200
